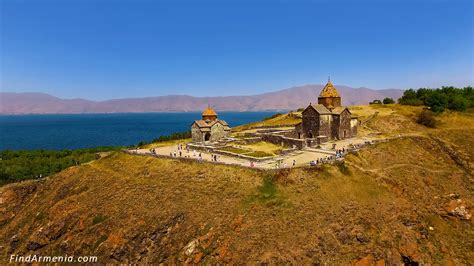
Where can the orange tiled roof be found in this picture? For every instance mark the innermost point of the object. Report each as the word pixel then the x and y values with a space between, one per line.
pixel 209 111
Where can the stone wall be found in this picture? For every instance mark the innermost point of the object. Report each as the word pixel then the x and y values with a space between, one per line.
pixel 354 125
pixel 310 124
pixel 284 141
pixel 325 125
pixel 327 101
pixel 217 132
pixel 196 133
pixel 335 125
pixel 345 125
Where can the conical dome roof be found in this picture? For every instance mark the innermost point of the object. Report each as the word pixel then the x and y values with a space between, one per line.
pixel 209 112
pixel 329 90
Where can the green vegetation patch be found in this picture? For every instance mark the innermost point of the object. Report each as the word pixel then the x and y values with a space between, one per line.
pixel 268 194
pixel 438 100
pixel 22 165
pixel 343 167
pixel 98 219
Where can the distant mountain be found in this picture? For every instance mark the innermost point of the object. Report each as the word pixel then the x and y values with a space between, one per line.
pixel 288 99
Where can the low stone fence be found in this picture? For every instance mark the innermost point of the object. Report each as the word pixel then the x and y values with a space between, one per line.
pixel 284 141
pixel 243 156
pixel 249 140
pixel 189 159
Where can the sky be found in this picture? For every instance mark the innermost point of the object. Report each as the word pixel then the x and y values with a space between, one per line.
pixel 107 49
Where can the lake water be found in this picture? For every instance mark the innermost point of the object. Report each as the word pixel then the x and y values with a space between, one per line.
pixel 24 132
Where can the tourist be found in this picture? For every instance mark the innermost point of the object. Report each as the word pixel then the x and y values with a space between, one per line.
pixel 251 164
pixel 174 153
pixel 294 162
pixel 285 165
pixel 171 154
pixel 180 153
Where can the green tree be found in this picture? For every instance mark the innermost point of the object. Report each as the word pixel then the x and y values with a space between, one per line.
pixel 388 100
pixel 458 103
pixel 437 101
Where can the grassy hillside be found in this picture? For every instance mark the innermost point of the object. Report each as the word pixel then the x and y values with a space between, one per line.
pixel 408 199
pixel 278 120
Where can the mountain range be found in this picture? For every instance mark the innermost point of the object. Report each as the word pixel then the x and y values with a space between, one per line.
pixel 287 99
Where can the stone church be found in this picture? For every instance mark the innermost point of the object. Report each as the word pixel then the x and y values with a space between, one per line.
pixel 209 128
pixel 327 120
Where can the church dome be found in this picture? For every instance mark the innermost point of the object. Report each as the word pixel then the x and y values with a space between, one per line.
pixel 329 90
pixel 209 112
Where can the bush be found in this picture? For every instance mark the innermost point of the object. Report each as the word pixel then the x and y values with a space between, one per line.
pixel 388 101
pixel 427 119
pixel 376 102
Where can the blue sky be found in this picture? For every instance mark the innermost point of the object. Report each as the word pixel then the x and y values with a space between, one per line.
pixel 113 49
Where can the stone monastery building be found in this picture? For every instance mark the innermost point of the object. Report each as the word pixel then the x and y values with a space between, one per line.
pixel 209 128
pixel 327 120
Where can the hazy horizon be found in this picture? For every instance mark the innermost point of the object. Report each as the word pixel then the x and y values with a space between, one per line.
pixel 100 50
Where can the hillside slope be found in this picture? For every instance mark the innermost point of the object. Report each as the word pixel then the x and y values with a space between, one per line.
pixel 288 99
pixel 407 199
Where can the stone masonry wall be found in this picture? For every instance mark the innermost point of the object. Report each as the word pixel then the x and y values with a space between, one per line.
pixel 310 123
pixel 196 134
pixel 217 132
pixel 345 125
pixel 285 141
pixel 325 125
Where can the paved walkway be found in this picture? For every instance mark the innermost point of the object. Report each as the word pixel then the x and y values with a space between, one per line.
pixel 301 157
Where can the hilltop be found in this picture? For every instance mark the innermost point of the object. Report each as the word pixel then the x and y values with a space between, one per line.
pixel 408 199
pixel 287 99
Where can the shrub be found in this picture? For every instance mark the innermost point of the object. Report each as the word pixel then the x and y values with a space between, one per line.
pixel 388 101
pixel 427 119
pixel 343 167
pixel 376 102
pixel 98 219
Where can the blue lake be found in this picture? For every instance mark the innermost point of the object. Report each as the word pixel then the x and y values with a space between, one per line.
pixel 71 131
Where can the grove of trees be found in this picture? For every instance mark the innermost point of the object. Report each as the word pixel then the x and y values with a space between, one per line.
pixel 29 164
pixel 440 99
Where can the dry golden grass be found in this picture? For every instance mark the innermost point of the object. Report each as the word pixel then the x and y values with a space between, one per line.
pixel 166 143
pixel 263 146
pixel 139 209
pixel 283 120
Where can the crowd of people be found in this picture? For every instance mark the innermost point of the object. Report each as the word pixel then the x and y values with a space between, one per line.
pixel 183 151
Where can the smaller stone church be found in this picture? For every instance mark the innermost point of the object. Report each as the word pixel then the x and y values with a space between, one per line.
pixel 209 128
pixel 327 120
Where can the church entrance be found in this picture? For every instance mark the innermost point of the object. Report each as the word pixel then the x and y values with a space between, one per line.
pixel 345 133
pixel 207 136
pixel 299 135
pixel 310 135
